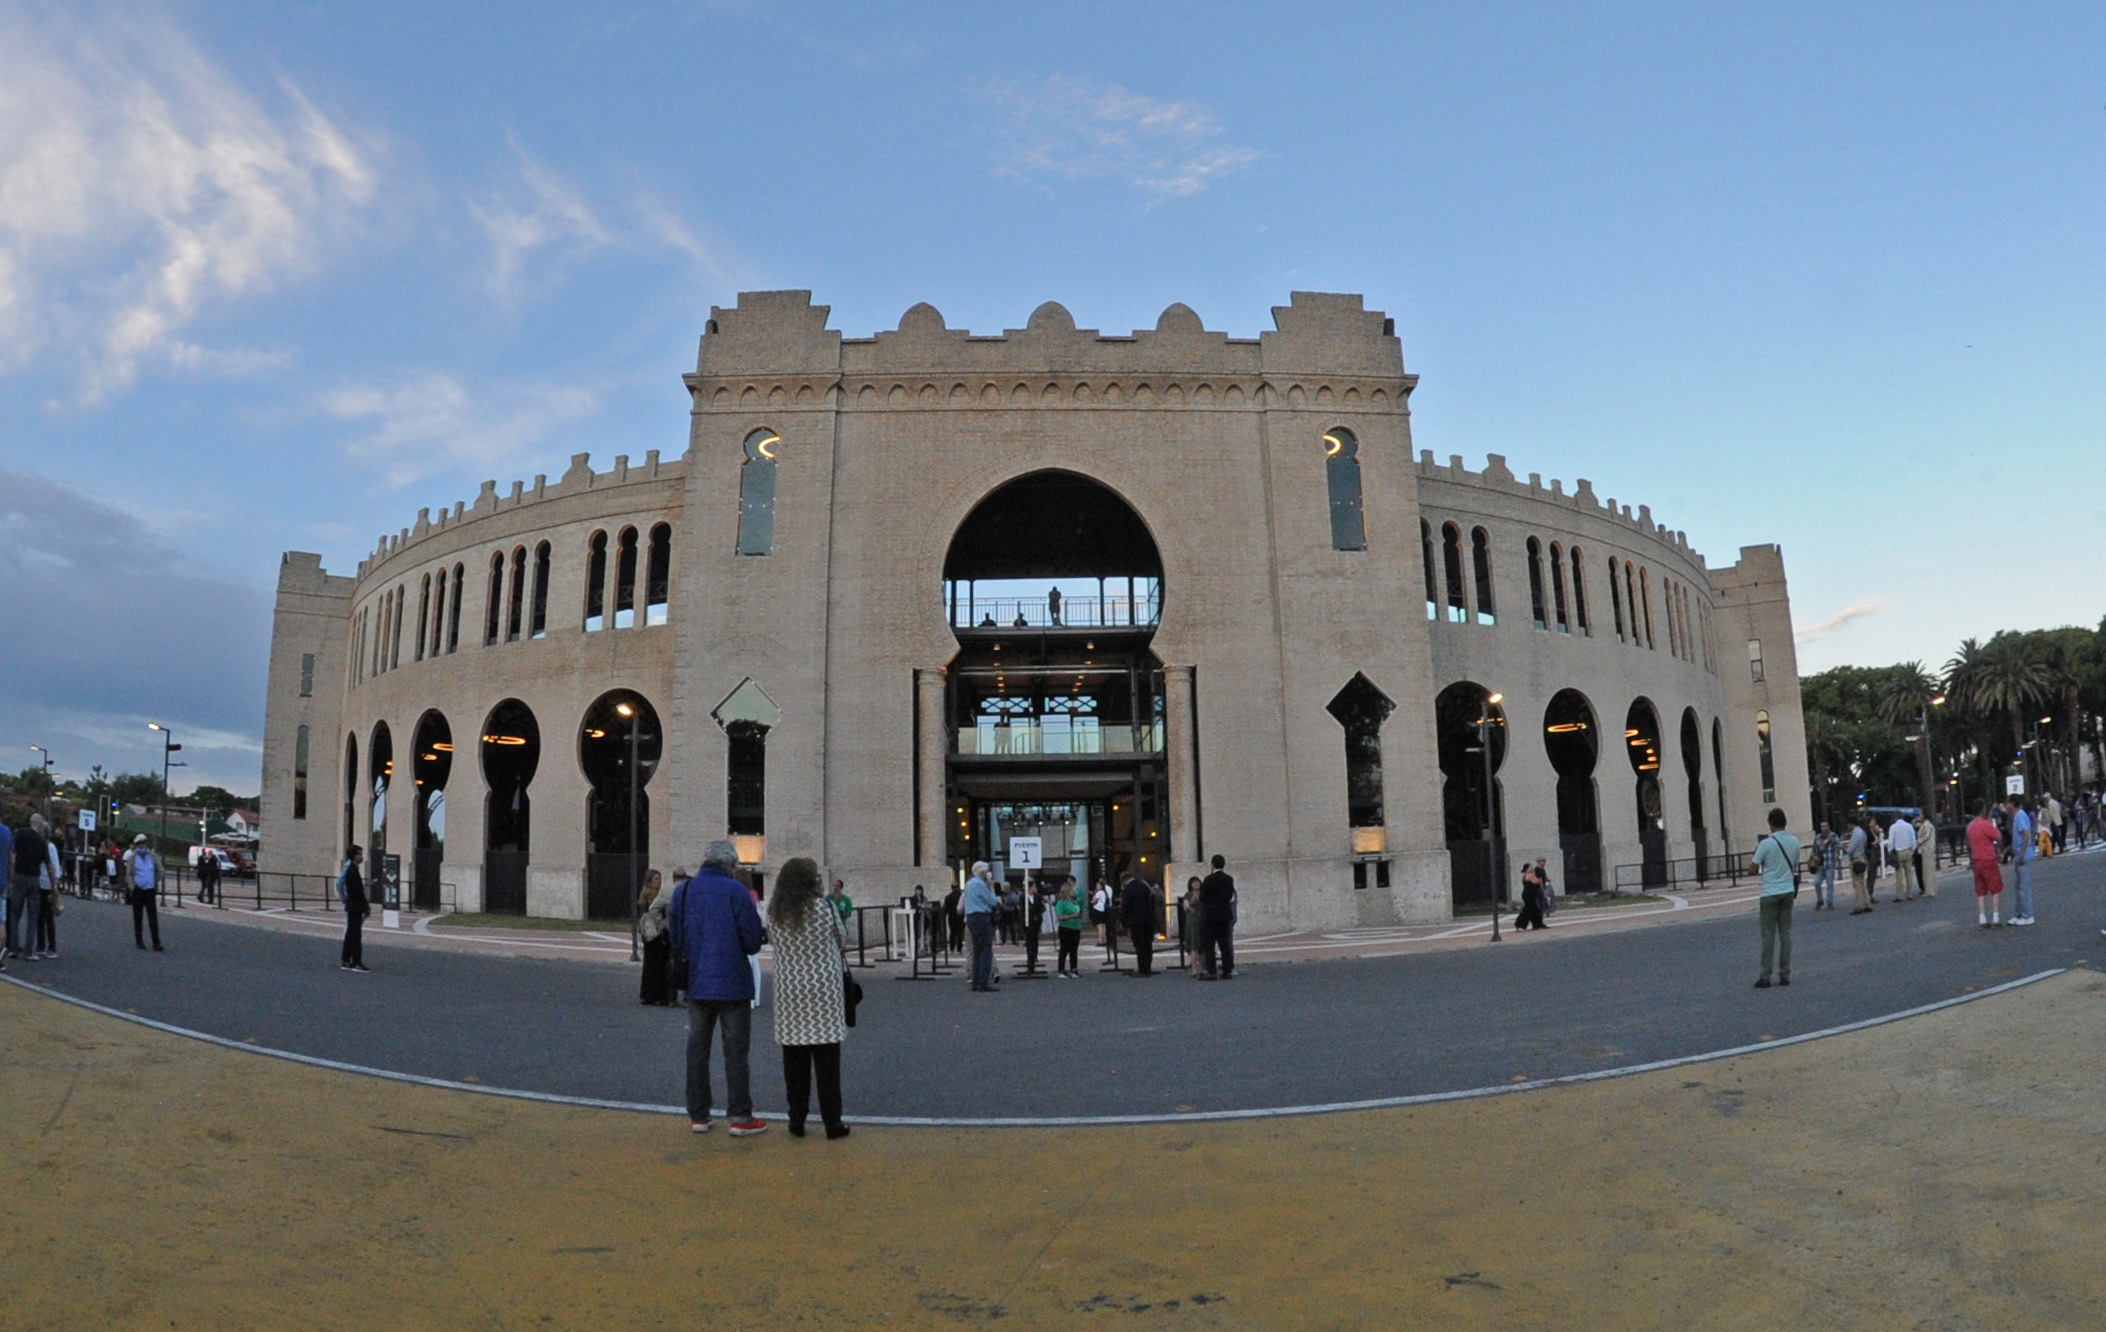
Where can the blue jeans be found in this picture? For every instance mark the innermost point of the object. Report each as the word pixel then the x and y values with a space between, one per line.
pixel 2022 878
pixel 702 1018
pixel 1824 885
pixel 24 897
pixel 981 926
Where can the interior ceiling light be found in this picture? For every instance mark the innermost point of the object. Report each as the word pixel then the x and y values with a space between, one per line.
pixel 1332 444
pixel 444 747
pixel 766 448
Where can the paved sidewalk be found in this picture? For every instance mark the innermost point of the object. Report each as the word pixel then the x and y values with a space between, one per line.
pixel 1937 1173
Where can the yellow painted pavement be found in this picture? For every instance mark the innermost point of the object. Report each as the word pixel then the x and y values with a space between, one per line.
pixel 1945 1172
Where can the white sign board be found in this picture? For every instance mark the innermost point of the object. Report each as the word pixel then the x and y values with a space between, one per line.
pixel 1027 853
pixel 2015 784
pixel 87 820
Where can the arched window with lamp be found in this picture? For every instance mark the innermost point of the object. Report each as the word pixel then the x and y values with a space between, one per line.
pixel 757 493
pixel 1342 473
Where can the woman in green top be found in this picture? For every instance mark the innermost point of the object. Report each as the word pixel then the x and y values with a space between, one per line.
pixel 1067 918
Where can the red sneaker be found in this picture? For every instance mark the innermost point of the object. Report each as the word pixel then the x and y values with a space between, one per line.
pixel 746 1128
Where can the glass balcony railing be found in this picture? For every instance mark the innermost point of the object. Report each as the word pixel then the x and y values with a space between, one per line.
pixel 1031 738
pixel 1136 604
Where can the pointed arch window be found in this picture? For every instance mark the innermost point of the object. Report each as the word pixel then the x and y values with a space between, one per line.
pixel 1557 586
pixel 757 493
pixel 625 579
pixel 1433 595
pixel 515 607
pixel 423 614
pixel 299 773
pixel 1481 566
pixel 1645 602
pixel 1451 560
pixel 596 584
pixel 1579 596
pixel 1616 598
pixel 1535 582
pixel 537 627
pixel 1342 472
pixel 494 609
pixel 658 582
pixel 1630 601
pixel 453 616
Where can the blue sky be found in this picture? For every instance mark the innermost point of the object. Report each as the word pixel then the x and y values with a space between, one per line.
pixel 275 276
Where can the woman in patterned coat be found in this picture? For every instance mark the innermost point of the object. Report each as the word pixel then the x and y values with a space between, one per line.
pixel 810 1020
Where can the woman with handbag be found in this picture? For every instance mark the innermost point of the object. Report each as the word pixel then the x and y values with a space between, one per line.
pixel 652 928
pixel 811 1017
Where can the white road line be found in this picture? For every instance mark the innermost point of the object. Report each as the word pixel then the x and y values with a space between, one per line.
pixel 1065 1121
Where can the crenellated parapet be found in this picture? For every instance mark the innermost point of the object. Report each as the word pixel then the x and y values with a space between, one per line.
pixel 1581 500
pixel 773 351
pixel 619 483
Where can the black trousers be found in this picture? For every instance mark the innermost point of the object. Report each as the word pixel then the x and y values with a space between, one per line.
pixel 1218 944
pixel 1143 951
pixel 798 1061
pixel 1070 947
pixel 145 912
pixel 354 937
pixel 47 925
pixel 653 989
pixel 1531 916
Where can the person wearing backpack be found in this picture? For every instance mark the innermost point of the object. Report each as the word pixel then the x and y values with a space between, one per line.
pixel 143 872
pixel 1777 861
pixel 351 891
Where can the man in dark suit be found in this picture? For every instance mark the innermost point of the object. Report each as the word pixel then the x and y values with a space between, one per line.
pixel 1137 911
pixel 351 891
pixel 1217 923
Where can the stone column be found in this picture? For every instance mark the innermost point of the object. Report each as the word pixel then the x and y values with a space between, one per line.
pixel 935 746
pixel 1181 753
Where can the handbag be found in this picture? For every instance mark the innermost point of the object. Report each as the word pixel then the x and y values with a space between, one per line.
pixel 851 995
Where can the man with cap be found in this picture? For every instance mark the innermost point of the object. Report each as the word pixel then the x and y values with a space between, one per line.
pixel 142 872
pixel 713 924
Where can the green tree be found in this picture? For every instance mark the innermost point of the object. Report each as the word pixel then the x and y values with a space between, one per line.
pixel 136 788
pixel 217 799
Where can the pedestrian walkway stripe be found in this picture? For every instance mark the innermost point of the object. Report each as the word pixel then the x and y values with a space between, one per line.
pixel 1063 1121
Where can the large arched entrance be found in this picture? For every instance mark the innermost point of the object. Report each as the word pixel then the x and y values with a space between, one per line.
pixel 1572 741
pixel 1054 587
pixel 511 746
pixel 430 768
pixel 618 746
pixel 1470 797
pixel 1641 737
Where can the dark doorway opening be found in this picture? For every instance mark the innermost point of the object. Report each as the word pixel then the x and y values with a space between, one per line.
pixel 1641 738
pixel 1693 770
pixel 1572 740
pixel 1471 806
pixel 618 747
pixel 380 773
pixel 511 745
pixel 430 768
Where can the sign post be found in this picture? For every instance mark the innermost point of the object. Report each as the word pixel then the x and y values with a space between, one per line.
pixel 391 891
pixel 1026 853
pixel 2015 784
pixel 1029 855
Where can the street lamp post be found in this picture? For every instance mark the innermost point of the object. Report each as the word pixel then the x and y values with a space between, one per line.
pixel 49 764
pixel 1485 722
pixel 169 747
pixel 635 908
pixel 1930 761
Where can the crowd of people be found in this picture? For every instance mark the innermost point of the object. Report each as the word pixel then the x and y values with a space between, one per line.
pixel 39 869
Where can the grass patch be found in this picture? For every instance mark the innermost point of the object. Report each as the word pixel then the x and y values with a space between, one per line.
pixel 488 920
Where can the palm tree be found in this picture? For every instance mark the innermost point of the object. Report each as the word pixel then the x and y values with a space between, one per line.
pixel 2014 680
pixel 1904 699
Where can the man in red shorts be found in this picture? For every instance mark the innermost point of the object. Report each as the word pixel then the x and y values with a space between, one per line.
pixel 1982 848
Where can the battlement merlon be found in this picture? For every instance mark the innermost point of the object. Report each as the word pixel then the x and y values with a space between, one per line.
pixel 781 334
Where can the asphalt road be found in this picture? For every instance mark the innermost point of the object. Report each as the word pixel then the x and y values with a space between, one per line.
pixel 1278 1035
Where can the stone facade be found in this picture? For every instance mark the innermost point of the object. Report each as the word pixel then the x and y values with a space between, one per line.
pixel 881 449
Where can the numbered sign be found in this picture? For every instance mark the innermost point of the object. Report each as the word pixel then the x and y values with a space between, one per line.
pixel 2015 784
pixel 87 820
pixel 1026 853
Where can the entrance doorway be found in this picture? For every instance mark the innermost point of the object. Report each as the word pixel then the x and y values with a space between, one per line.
pixel 432 766
pixel 1572 741
pixel 1641 736
pixel 1053 587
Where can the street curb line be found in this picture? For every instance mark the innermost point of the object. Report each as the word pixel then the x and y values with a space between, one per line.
pixel 1063 1121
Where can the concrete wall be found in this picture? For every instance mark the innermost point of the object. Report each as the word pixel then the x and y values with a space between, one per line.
pixel 309 620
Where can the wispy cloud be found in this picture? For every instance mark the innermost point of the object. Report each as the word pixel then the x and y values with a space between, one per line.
pixel 199 642
pixel 423 423
pixel 1066 129
pixel 140 185
pixel 533 215
pixel 1835 623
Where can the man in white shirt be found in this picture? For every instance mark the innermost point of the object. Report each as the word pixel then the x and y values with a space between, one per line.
pixel 1901 840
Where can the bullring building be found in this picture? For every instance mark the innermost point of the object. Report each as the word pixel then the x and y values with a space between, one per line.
pixel 1147 597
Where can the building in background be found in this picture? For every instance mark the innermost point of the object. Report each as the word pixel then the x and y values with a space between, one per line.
pixel 1146 597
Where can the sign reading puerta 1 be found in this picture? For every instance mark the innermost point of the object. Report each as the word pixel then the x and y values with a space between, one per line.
pixel 1027 853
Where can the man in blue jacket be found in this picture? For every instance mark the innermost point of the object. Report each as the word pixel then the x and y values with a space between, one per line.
pixel 715 927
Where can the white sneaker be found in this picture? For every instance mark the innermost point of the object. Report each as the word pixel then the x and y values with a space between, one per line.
pixel 2021 920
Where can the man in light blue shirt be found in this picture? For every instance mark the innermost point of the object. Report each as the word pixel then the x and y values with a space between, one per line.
pixel 979 904
pixel 2021 863
pixel 1777 860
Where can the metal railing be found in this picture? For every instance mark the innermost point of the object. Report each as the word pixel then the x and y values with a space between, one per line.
pixel 1136 612
pixel 1029 737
